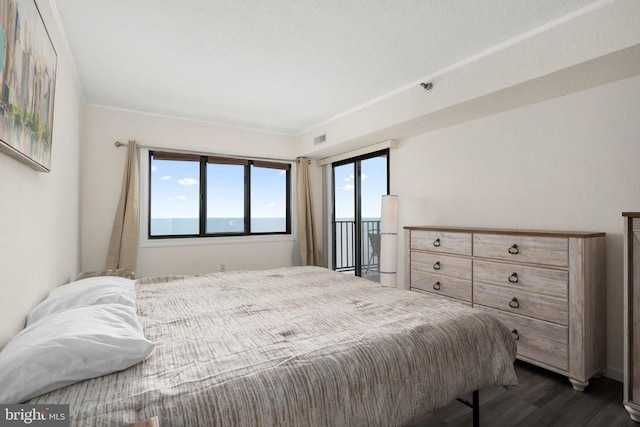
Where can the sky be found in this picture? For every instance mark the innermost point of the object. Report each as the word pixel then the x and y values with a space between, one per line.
pixel 175 191
pixel 373 184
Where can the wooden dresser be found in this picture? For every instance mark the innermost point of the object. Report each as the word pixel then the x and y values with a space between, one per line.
pixel 547 287
pixel 631 393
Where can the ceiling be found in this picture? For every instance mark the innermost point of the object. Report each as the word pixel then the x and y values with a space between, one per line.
pixel 282 66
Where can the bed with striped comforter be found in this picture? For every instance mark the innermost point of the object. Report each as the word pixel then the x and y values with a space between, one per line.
pixel 301 346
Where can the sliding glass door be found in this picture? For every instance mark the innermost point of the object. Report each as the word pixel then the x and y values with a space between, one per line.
pixel 358 186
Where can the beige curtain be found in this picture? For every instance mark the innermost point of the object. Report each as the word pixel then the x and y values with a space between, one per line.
pixel 309 253
pixel 123 248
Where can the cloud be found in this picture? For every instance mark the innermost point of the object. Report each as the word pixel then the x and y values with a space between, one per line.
pixel 181 197
pixel 351 177
pixel 154 168
pixel 188 182
pixel 166 177
pixel 348 187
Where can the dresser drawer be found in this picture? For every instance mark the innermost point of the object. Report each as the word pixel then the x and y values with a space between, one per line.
pixel 551 309
pixel 518 277
pixel 441 264
pixel 537 340
pixel 530 249
pixel 441 241
pixel 441 285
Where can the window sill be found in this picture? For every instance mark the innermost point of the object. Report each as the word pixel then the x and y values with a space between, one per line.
pixel 211 241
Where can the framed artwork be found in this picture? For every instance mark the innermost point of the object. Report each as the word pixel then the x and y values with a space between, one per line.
pixel 28 79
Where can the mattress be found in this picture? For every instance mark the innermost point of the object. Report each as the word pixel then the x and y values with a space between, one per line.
pixel 300 346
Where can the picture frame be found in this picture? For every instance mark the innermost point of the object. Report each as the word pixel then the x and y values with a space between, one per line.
pixel 28 64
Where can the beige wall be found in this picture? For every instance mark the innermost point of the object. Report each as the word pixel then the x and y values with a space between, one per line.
pixel 102 178
pixel 572 163
pixel 40 214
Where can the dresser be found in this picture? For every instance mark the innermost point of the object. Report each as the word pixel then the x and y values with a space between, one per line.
pixel 548 287
pixel 631 393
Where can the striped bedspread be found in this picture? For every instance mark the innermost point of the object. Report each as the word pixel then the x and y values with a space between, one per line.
pixel 301 346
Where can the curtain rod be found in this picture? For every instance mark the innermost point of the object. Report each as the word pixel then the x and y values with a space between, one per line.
pixel 200 153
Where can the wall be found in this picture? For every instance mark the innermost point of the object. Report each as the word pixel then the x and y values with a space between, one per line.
pixel 39 217
pixel 571 163
pixel 103 166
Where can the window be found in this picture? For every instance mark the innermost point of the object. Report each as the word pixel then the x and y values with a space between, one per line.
pixel 204 196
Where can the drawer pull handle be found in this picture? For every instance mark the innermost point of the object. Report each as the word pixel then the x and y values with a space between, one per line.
pixel 513 250
pixel 436 286
pixel 436 266
pixel 514 303
pixel 513 278
pixel 436 243
pixel 515 334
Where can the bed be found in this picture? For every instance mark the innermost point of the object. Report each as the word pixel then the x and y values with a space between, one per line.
pixel 292 347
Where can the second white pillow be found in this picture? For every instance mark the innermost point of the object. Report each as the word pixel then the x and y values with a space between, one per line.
pixel 91 291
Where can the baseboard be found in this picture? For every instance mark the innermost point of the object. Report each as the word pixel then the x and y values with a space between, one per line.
pixel 614 374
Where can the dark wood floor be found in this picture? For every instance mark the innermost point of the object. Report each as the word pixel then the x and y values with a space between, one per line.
pixel 542 399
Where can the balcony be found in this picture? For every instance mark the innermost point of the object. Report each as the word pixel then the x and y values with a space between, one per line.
pixel 344 249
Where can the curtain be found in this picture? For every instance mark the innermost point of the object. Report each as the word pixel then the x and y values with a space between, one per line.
pixel 123 247
pixel 309 253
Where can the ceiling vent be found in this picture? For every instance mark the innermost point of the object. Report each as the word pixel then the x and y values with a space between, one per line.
pixel 320 139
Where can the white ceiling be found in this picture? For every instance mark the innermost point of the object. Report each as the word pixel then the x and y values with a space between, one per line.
pixel 280 65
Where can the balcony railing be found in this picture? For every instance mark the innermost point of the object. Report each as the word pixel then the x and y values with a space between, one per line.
pixel 345 236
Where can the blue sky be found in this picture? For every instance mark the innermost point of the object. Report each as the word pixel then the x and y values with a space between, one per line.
pixel 175 187
pixel 374 185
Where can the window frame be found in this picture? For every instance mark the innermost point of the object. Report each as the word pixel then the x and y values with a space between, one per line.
pixel 204 159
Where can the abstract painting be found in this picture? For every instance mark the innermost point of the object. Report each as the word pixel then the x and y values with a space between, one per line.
pixel 28 78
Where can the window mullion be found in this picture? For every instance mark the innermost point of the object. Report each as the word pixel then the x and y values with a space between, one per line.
pixel 288 202
pixel 247 198
pixel 149 180
pixel 203 195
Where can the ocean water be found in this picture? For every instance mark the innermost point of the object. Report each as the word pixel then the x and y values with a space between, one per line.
pixel 186 226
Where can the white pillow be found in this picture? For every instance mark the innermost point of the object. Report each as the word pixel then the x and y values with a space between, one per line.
pixel 70 346
pixel 94 290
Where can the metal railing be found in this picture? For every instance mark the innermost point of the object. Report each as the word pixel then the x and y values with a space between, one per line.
pixel 344 249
